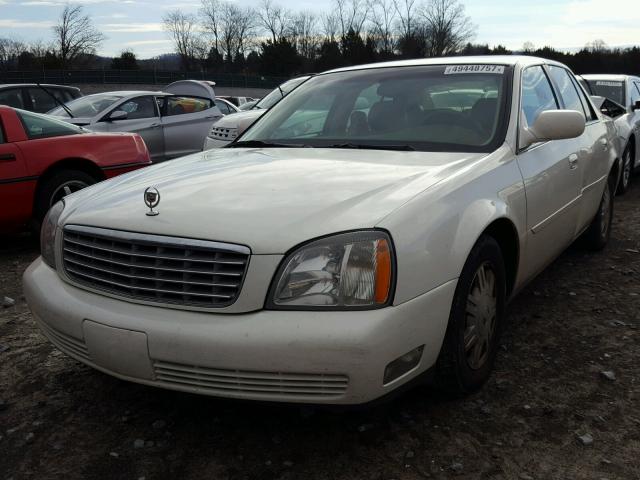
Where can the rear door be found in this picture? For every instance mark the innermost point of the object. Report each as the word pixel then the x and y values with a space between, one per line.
pixel 551 176
pixel 186 121
pixel 143 118
pixel 16 187
pixel 592 146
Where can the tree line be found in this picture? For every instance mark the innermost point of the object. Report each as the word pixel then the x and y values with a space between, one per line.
pixel 224 37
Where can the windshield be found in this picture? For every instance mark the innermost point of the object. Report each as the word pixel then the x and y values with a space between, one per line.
pixel 608 89
pixel 278 94
pixel 88 106
pixel 428 108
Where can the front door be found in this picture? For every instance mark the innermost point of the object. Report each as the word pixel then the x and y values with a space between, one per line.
pixel 551 176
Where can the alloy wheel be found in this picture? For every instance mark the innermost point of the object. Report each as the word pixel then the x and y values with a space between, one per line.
pixel 481 316
pixel 65 189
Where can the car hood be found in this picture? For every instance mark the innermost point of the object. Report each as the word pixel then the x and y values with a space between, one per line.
pixel 80 121
pixel 267 199
pixel 240 120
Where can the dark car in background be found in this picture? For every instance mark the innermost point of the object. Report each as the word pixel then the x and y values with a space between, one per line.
pixel 34 97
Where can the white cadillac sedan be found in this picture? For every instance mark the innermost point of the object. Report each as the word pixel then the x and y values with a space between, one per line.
pixel 365 234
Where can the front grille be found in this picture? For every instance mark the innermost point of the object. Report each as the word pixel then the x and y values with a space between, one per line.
pixel 155 268
pixel 223 133
pixel 218 381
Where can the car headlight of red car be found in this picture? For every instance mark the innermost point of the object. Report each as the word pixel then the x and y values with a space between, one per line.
pixel 48 234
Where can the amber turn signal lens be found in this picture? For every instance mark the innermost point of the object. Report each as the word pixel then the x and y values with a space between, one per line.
pixel 383 272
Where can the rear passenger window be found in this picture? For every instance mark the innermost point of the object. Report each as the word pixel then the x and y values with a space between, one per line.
pixel 182 105
pixel 41 101
pixel 590 115
pixel 11 97
pixel 537 94
pixel 568 92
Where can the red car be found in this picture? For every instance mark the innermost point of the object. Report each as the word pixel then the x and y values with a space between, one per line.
pixel 42 159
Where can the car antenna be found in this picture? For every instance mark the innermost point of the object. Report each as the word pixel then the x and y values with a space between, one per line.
pixel 66 109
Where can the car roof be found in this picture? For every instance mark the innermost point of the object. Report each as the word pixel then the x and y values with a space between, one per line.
pixel 47 85
pixel 128 93
pixel 522 60
pixel 603 76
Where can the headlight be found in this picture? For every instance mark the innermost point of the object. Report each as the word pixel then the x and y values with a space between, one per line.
pixel 350 270
pixel 48 234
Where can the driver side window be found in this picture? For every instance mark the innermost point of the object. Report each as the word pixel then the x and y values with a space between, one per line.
pixel 537 94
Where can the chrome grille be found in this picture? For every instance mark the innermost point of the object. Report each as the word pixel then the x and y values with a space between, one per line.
pixel 223 133
pixel 218 381
pixel 155 268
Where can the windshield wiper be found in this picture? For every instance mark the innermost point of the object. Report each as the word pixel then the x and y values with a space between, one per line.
pixel 66 109
pixel 366 146
pixel 263 144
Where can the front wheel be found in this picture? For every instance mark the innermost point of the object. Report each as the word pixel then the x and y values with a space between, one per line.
pixel 597 235
pixel 58 186
pixel 470 345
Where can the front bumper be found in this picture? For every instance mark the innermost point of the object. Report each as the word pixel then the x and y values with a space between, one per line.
pixel 287 356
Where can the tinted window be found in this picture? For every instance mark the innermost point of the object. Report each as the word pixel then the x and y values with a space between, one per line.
pixel 40 126
pixel 11 97
pixel 41 101
pixel 224 108
pixel 586 105
pixel 635 94
pixel 608 89
pixel 428 108
pixel 143 107
pixel 182 105
pixel 568 92
pixel 537 95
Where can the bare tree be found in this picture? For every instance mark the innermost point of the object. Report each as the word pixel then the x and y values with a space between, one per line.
pixel 330 25
pixel 10 50
pixel 448 27
pixel 210 12
pixel 406 10
pixel 273 18
pixel 597 46
pixel 382 17
pixel 75 35
pixel 303 33
pixel 528 47
pixel 184 32
pixel 352 15
pixel 236 29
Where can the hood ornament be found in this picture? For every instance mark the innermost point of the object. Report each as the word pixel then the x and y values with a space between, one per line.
pixel 152 199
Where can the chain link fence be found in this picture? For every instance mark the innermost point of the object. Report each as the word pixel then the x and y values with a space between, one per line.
pixel 132 77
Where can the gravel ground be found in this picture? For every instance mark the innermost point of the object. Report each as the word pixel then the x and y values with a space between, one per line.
pixel 548 412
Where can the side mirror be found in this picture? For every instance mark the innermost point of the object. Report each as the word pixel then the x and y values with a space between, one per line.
pixel 554 125
pixel 636 106
pixel 118 115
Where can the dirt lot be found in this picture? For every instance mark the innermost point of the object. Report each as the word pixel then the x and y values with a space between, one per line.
pixel 60 419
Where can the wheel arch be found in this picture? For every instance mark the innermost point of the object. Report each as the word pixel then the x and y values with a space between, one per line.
pixel 81 164
pixel 504 232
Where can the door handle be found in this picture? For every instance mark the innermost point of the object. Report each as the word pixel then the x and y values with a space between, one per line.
pixel 154 125
pixel 7 157
pixel 573 161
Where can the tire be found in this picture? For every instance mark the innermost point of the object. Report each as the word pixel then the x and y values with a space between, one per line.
pixel 477 312
pixel 59 185
pixel 597 235
pixel 627 171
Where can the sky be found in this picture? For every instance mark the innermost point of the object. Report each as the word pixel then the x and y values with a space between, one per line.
pixel 137 24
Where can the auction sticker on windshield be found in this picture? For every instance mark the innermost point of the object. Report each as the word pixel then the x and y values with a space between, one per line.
pixel 608 84
pixel 454 69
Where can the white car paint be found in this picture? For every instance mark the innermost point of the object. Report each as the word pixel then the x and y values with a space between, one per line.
pixel 434 205
pixel 628 124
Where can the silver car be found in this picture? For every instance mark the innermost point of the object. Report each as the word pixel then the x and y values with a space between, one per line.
pixel 624 92
pixel 173 122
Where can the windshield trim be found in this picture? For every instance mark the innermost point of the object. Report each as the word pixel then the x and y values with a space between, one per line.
pixel 505 111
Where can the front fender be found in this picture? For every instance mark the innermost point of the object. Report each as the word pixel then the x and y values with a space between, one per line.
pixel 435 231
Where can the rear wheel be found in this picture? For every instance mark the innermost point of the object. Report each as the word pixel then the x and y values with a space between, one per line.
pixel 627 170
pixel 470 344
pixel 58 186
pixel 598 233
